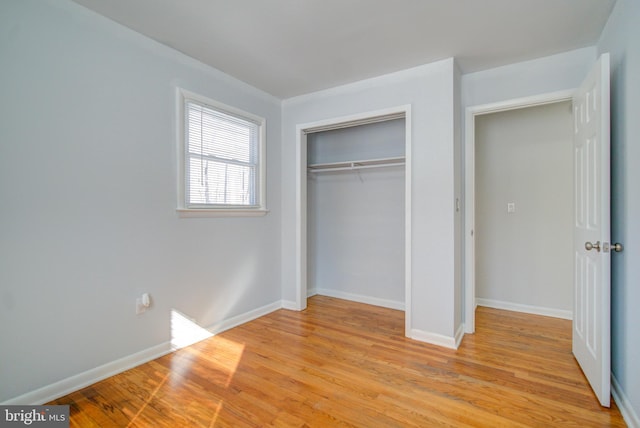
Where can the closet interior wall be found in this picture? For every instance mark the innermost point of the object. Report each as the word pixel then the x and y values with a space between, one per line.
pixel 356 213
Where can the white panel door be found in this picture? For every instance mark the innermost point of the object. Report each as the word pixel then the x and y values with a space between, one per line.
pixel 591 319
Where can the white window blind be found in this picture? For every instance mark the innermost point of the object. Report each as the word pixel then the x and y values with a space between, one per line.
pixel 222 158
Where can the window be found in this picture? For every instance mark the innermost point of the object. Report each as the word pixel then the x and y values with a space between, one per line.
pixel 221 158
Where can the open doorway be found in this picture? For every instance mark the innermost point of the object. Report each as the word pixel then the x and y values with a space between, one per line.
pixel 519 207
pixel 524 210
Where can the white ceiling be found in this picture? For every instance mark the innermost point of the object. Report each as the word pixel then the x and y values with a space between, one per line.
pixel 292 47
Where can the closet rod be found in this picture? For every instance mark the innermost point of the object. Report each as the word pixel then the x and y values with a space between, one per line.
pixel 355 165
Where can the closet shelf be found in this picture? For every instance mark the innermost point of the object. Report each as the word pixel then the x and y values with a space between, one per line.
pixel 353 165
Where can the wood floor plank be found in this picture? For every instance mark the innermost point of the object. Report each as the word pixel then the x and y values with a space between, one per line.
pixel 341 363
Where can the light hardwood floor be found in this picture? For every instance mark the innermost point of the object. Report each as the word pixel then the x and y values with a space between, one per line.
pixel 341 363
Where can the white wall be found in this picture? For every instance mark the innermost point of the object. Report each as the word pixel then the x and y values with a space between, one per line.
pixel 525 157
pixel 523 79
pixel 356 218
pixel 430 91
pixel 621 38
pixel 88 190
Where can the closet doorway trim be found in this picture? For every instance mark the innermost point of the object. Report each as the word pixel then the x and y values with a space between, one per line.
pixel 302 130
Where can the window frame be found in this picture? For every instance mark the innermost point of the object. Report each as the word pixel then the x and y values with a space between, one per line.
pixel 218 210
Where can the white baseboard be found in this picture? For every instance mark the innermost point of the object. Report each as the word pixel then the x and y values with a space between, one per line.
pixel 628 413
pixel 517 307
pixel 435 338
pixel 459 335
pixel 375 301
pixel 290 305
pixel 244 318
pixel 89 377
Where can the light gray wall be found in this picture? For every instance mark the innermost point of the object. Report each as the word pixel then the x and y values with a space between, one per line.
pixel 430 91
pixel 375 140
pixel 621 38
pixel 523 79
pixel 525 157
pixel 355 219
pixel 88 190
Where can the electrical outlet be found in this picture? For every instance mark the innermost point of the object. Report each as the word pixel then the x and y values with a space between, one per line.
pixel 140 307
pixel 511 207
pixel 143 303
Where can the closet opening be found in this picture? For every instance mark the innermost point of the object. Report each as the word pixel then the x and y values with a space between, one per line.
pixel 353 220
pixel 518 190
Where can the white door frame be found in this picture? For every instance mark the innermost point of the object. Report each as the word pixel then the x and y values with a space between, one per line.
pixel 470 176
pixel 301 193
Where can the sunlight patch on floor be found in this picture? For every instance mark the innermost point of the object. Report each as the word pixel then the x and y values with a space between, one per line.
pixel 225 354
pixel 185 331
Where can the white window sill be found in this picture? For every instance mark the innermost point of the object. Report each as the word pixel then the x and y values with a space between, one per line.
pixel 221 212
